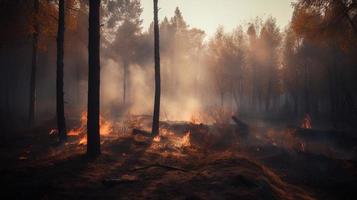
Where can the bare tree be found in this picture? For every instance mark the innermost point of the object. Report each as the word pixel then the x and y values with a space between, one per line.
pixel 32 101
pixel 93 136
pixel 61 122
pixel 156 117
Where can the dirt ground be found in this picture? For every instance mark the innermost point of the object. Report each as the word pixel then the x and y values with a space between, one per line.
pixel 217 162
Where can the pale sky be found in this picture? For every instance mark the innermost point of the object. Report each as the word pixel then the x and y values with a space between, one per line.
pixel 209 14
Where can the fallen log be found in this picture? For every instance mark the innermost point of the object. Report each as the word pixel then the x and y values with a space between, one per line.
pixel 141 132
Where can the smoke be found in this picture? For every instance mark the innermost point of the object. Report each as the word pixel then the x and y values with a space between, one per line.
pixel 179 100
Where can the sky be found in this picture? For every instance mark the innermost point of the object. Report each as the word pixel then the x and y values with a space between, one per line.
pixel 209 14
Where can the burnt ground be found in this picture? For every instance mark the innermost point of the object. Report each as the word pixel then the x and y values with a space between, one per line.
pixel 220 162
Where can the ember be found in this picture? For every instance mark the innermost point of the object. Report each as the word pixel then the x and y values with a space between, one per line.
pixel 306 123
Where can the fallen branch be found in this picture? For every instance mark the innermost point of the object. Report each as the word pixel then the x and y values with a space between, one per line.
pixel 116 181
pixel 141 132
pixel 160 166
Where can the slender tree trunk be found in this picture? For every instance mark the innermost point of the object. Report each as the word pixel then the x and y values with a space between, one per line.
pixel 332 89
pixel 61 122
pixel 125 82
pixel 296 95
pixel 32 99
pixel 93 136
pixel 296 105
pixel 306 89
pixel 268 95
pixel 156 117
pixel 78 85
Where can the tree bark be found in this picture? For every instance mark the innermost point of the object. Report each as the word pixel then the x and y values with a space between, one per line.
pixel 93 136
pixel 32 100
pixel 61 122
pixel 156 116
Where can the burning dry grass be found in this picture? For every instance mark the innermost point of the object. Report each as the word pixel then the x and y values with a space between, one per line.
pixel 207 172
pixel 106 128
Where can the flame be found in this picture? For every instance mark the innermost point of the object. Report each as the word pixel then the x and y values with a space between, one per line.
pixel 306 123
pixel 157 138
pixel 82 128
pixel 106 128
pixel 185 141
pixel 168 138
pixel 83 141
pixel 195 118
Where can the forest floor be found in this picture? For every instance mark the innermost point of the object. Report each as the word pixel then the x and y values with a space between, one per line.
pixel 187 161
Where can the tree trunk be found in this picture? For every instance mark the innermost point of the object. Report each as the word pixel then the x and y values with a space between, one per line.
pixel 78 85
pixel 296 105
pixel 306 89
pixel 61 122
pixel 32 99
pixel 156 117
pixel 93 136
pixel 268 94
pixel 332 90
pixel 125 82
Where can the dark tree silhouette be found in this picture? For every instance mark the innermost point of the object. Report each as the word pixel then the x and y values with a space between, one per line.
pixel 156 117
pixel 32 101
pixel 93 136
pixel 61 122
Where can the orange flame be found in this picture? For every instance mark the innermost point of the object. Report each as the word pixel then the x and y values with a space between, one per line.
pixel 185 142
pixel 157 138
pixel 106 128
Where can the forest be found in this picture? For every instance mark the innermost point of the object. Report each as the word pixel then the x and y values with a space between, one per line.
pixel 95 105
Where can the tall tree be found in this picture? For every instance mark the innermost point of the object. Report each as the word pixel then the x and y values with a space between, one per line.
pixel 93 136
pixel 270 39
pixel 61 122
pixel 156 116
pixel 32 101
pixel 123 31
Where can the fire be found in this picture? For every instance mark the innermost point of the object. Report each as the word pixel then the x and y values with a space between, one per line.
pixel 195 119
pixel 184 141
pixel 82 128
pixel 83 141
pixel 306 123
pixel 157 138
pixel 169 138
pixel 106 128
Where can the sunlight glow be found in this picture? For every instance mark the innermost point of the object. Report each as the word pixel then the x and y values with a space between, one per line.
pixel 209 14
